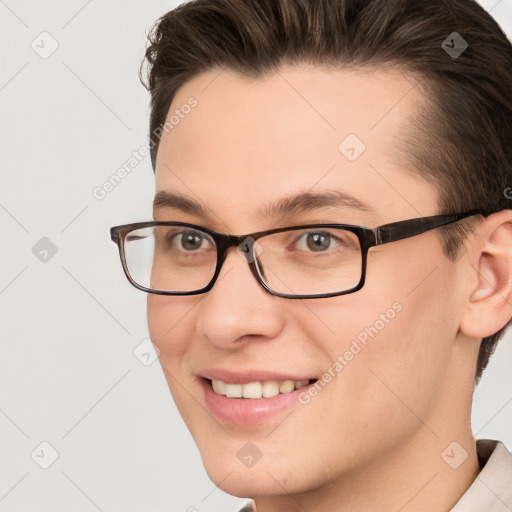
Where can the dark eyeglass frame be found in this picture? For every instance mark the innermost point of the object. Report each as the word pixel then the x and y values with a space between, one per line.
pixel 368 238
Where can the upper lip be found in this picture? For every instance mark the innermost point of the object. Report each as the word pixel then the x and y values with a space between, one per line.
pixel 251 375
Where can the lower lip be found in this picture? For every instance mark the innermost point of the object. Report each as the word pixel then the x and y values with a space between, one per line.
pixel 248 411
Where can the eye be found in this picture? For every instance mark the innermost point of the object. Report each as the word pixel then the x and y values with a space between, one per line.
pixel 190 240
pixel 319 241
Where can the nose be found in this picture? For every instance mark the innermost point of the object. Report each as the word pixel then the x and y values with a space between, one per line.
pixel 238 309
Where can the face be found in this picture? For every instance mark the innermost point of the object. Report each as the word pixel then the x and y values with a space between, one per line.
pixel 251 143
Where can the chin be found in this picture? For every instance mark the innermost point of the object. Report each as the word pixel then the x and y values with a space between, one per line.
pixel 238 486
pixel 265 478
pixel 245 483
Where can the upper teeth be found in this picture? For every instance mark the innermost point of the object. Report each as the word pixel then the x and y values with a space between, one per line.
pixel 265 389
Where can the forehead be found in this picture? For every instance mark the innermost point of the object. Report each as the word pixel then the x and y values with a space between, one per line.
pixel 298 129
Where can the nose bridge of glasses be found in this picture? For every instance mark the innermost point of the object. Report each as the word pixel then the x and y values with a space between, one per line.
pixel 243 245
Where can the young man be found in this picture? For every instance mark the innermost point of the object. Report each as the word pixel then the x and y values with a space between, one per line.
pixel 321 359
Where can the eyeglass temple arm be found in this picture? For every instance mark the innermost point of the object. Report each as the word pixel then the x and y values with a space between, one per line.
pixel 407 228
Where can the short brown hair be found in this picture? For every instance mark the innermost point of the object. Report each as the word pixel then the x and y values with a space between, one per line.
pixel 462 139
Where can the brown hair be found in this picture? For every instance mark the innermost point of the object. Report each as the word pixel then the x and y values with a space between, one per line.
pixel 462 139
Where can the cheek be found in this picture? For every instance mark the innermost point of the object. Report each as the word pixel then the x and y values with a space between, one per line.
pixel 170 331
pixel 168 325
pixel 389 344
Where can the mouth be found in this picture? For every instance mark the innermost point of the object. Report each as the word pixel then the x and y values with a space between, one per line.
pixel 257 389
pixel 251 403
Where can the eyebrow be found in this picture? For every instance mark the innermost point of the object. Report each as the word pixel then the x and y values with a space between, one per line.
pixel 295 204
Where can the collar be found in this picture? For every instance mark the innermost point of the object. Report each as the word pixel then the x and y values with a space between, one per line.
pixel 491 491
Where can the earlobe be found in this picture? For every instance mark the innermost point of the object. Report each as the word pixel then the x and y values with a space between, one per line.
pixel 489 305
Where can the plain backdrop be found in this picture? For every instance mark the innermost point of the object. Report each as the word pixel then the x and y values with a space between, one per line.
pixel 74 383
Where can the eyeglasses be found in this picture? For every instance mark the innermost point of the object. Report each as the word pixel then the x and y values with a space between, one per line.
pixel 299 262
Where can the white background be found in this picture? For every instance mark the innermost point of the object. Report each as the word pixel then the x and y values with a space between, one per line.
pixel 68 375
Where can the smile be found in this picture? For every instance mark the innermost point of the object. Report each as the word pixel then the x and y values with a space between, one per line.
pixel 251 401
pixel 257 389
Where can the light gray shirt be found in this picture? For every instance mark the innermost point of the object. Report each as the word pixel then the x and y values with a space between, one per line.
pixel 491 491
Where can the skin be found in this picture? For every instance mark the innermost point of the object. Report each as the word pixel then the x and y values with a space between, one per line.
pixel 373 437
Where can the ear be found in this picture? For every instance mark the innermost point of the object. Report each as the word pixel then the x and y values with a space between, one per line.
pixel 489 306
